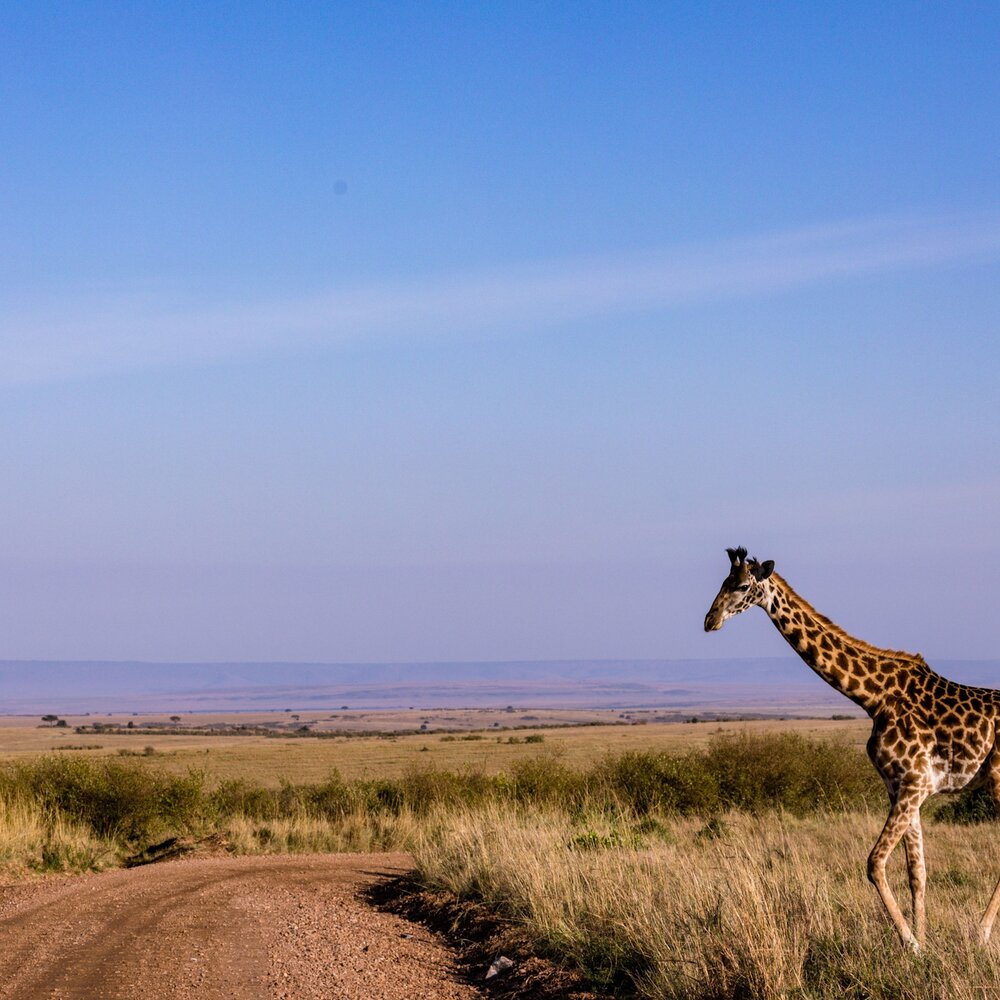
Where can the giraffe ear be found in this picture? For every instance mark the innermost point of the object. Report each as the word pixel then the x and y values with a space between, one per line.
pixel 762 571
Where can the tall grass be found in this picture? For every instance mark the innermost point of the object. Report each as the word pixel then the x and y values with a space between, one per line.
pixel 763 907
pixel 34 839
pixel 129 801
pixel 732 871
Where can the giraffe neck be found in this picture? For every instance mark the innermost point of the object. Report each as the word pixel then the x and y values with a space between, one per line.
pixel 864 673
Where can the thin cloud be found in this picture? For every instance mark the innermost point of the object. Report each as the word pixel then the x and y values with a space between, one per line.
pixel 133 333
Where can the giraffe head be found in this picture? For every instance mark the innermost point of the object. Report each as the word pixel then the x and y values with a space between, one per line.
pixel 743 588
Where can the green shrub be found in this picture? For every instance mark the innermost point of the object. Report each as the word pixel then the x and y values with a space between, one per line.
pixel 238 797
pixel 546 780
pixel 117 798
pixel 975 806
pixel 126 800
pixel 750 772
pixel 791 772
pixel 646 782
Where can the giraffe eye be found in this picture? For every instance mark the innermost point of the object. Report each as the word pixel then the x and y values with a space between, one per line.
pixel 745 586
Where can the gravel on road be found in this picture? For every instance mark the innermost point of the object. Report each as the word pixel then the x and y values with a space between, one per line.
pixel 278 927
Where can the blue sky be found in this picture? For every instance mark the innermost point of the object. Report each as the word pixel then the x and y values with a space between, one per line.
pixel 454 331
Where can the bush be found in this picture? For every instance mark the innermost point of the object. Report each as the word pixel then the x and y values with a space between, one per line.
pixel 742 771
pixel 240 798
pixel 791 772
pixel 332 799
pixel 127 801
pixel 116 798
pixel 546 780
pixel 647 782
pixel 975 806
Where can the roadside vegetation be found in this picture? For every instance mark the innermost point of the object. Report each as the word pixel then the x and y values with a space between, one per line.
pixel 735 869
pixel 742 906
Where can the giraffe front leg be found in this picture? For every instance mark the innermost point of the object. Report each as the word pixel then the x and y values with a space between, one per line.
pixel 913 841
pixel 901 815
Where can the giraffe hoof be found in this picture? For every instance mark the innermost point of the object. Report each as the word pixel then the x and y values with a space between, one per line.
pixel 913 946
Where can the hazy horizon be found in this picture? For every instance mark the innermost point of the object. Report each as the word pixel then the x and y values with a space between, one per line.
pixel 761 686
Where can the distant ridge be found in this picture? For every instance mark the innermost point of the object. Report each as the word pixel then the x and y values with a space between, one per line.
pixel 760 685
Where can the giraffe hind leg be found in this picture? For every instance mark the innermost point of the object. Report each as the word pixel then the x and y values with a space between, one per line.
pixel 986 924
pixel 901 815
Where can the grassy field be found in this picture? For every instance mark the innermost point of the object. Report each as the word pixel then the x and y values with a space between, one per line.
pixel 271 760
pixel 770 907
pixel 690 862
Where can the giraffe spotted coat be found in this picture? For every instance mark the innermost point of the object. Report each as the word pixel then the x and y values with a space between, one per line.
pixel 929 734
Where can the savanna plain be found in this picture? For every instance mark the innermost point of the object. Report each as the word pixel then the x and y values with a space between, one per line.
pixel 659 860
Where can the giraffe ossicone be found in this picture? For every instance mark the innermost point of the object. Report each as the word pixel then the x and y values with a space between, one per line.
pixel 929 734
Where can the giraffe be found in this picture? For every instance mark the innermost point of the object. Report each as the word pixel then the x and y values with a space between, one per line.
pixel 928 735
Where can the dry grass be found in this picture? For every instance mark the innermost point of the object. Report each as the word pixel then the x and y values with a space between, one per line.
pixel 305 834
pixel 34 840
pixel 271 761
pixel 771 907
pixel 573 845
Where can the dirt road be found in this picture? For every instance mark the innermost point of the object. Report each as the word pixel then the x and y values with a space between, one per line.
pixel 212 928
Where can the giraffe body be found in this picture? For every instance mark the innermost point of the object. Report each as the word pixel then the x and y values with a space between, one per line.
pixel 929 734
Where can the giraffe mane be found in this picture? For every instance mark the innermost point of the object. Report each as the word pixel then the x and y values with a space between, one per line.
pixel 861 644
